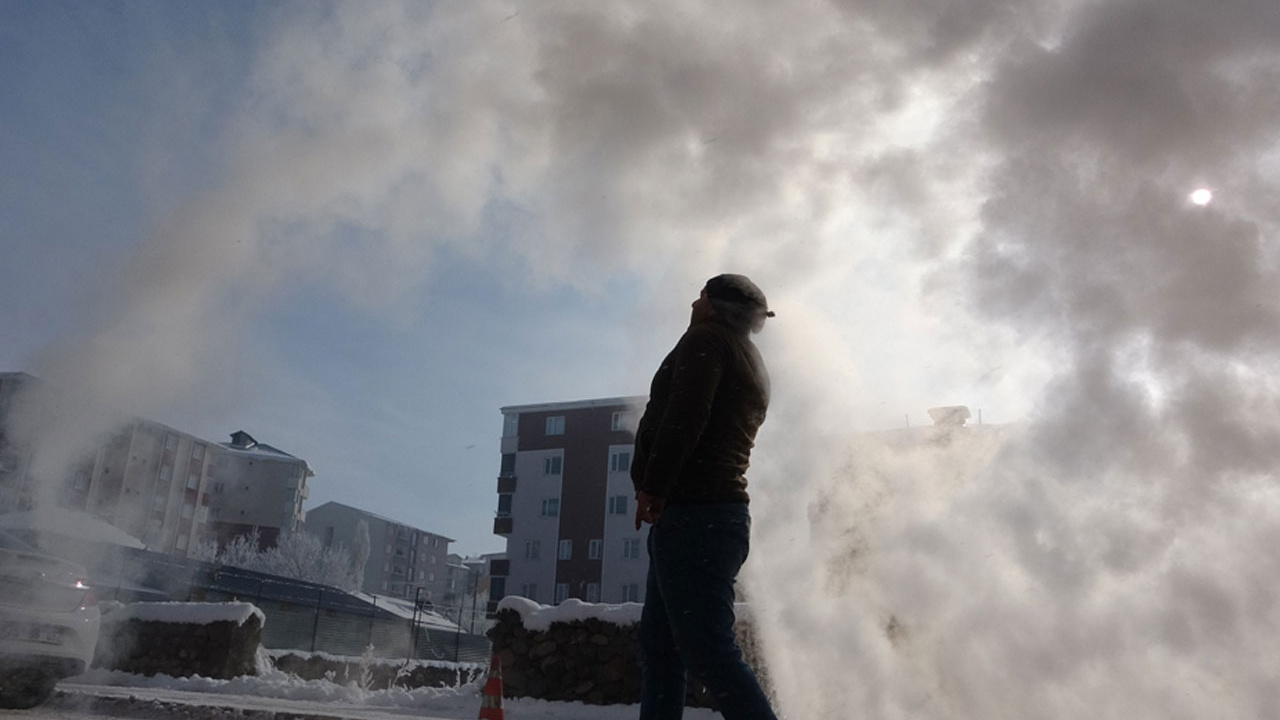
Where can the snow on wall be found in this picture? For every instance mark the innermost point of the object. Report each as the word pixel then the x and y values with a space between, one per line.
pixel 540 617
pixel 195 613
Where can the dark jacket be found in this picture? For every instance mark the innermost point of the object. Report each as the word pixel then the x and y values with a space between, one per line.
pixel 706 403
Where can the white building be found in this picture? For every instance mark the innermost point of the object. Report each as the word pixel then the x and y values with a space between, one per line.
pixel 566 504
pixel 402 558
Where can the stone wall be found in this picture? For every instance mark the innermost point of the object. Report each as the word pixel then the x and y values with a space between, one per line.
pixel 383 673
pixel 590 661
pixel 222 649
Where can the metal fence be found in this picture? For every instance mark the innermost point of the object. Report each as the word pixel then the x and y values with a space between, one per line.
pixel 300 615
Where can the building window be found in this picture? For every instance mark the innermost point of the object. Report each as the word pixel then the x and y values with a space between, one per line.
pixel 510 425
pixel 595 549
pixel 551 507
pixel 530 590
pixel 618 505
pixel 631 592
pixel 552 465
pixel 531 548
pixel 562 592
pixel 508 464
pixel 555 425
pixel 593 592
pixel 187 511
pixel 631 549
pixel 197 452
pixel 217 487
pixel 433 559
pixel 386 567
pixel 182 542
pixel 170 442
pixel 615 421
pixel 566 550
pixel 620 461
pixel 431 577
pixel 504 505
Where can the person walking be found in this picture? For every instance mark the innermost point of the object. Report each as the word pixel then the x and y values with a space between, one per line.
pixel 693 446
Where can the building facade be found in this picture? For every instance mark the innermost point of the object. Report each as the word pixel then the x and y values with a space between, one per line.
pixel 163 486
pixel 402 558
pixel 566 505
pixel 254 485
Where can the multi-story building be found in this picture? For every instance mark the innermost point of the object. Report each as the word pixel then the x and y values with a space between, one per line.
pixel 255 486
pixel 402 558
pixel 165 487
pixel 566 504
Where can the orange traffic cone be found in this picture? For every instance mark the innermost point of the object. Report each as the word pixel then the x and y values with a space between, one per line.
pixel 491 702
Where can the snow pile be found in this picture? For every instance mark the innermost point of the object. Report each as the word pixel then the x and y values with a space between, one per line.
pixel 188 612
pixel 330 657
pixel 540 617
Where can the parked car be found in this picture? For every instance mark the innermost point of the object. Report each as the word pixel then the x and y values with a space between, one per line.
pixel 49 622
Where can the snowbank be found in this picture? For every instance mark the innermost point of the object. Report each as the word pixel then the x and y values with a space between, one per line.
pixel 188 612
pixel 540 617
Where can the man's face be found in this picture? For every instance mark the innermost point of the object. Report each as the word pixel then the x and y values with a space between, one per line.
pixel 702 310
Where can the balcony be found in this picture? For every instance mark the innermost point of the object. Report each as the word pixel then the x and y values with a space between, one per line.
pixel 506 483
pixel 499 568
pixel 502 525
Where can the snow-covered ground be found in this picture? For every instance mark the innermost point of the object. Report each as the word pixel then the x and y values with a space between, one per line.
pixel 277 694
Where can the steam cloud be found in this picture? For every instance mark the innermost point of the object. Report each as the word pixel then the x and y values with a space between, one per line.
pixel 1002 185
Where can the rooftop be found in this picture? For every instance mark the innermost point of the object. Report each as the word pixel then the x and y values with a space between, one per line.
pixel 630 401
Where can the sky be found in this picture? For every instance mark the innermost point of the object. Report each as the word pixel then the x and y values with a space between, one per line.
pixel 356 233
pixel 356 230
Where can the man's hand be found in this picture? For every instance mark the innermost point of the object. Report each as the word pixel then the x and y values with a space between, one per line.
pixel 648 508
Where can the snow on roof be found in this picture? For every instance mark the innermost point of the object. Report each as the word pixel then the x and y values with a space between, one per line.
pixel 194 613
pixel 69 523
pixel 540 617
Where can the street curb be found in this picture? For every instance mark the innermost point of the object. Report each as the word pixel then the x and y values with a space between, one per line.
pixel 137 708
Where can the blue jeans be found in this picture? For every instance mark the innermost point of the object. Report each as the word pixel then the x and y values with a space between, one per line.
pixel 695 552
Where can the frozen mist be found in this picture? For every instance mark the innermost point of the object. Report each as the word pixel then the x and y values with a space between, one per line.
pixel 974 202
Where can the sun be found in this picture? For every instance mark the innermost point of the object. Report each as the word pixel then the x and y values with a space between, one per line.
pixel 1201 196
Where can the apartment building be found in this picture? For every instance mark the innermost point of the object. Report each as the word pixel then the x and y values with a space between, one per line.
pixel 566 504
pixel 402 558
pixel 165 487
pixel 254 485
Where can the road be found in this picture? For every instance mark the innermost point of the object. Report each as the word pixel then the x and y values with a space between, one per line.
pixel 80 701
pixel 77 702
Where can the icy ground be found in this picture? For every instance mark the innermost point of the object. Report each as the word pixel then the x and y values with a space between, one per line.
pixel 278 696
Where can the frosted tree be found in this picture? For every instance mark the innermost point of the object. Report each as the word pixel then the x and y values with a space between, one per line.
pixel 363 546
pixel 242 551
pixel 205 550
pixel 299 555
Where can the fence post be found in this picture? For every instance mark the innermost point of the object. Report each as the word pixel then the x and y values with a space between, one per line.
pixel 316 625
pixel 457 636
